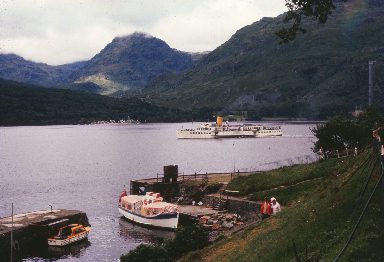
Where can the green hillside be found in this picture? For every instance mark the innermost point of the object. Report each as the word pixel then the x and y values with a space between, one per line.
pixel 323 72
pixel 321 205
pixel 23 104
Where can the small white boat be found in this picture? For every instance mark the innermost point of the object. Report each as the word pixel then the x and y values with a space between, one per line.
pixel 69 234
pixel 149 210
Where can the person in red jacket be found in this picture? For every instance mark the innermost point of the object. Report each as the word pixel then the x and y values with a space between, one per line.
pixel 265 208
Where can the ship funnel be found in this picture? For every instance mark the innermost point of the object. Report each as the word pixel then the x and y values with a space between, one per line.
pixel 219 121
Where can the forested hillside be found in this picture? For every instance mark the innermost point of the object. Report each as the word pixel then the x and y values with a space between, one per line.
pixel 23 104
pixel 323 72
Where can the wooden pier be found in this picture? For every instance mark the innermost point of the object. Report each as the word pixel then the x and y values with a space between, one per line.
pixel 30 231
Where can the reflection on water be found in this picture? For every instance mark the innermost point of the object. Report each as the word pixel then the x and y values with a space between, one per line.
pixel 53 253
pixel 74 250
pixel 139 234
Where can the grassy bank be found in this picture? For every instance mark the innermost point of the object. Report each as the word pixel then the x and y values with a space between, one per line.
pixel 322 202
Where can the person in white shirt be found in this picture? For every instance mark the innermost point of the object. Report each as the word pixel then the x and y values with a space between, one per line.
pixel 275 206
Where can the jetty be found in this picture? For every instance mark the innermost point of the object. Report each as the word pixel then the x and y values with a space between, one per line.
pixel 198 195
pixel 30 231
pixel 168 184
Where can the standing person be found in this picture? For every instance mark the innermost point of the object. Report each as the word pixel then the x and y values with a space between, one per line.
pixel 265 208
pixel 275 206
pixel 378 134
pixel 321 153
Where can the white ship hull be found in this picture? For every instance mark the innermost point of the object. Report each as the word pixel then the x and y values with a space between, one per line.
pixel 169 221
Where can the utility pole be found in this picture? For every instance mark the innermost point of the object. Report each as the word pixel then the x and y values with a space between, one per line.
pixel 234 159
pixel 12 235
pixel 370 83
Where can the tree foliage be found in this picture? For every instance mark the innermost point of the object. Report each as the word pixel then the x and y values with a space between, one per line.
pixel 188 238
pixel 317 9
pixel 340 133
pixel 146 252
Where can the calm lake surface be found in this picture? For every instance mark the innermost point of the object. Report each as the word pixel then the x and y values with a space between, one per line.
pixel 86 168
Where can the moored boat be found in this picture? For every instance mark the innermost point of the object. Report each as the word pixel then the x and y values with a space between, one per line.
pixel 69 234
pixel 218 130
pixel 149 210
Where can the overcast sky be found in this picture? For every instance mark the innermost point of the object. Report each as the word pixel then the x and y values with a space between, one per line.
pixel 63 31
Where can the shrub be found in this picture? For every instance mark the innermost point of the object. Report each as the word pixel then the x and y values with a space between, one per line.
pixel 148 253
pixel 339 132
pixel 187 239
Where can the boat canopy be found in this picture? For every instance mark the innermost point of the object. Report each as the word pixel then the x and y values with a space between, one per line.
pixel 158 208
pixel 131 199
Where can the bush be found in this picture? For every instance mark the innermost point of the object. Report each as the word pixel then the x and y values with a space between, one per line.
pixel 340 133
pixel 212 188
pixel 148 253
pixel 187 239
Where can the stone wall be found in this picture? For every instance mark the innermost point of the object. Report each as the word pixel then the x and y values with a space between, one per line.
pixel 238 206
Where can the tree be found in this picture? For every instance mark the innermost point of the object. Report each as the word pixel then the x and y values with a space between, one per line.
pixel 339 132
pixel 317 9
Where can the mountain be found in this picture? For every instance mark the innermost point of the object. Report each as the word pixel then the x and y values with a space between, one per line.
pixel 323 72
pixel 14 67
pixel 126 63
pixel 131 62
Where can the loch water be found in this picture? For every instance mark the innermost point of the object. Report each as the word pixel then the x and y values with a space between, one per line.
pixel 86 167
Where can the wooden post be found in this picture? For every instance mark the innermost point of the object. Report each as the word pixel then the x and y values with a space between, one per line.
pixel 157 177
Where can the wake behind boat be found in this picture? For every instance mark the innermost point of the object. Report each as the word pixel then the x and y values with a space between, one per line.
pixel 149 210
pixel 218 130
